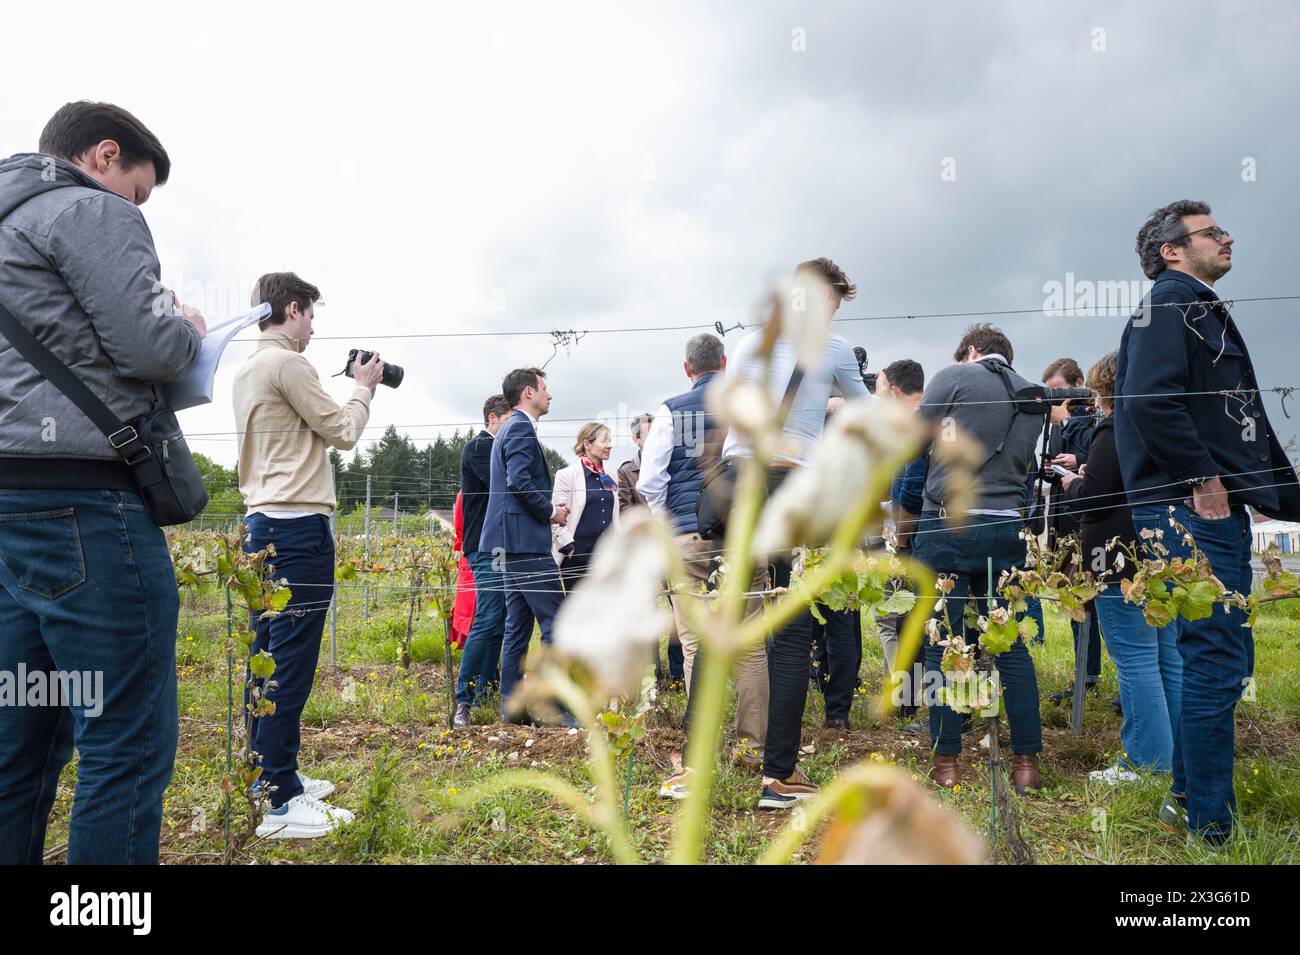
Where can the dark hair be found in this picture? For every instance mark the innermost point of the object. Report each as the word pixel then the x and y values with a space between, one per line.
pixel 987 340
pixel 644 417
pixel 512 387
pixel 78 127
pixel 907 375
pixel 704 353
pixel 1165 225
pixel 834 276
pixel 1067 368
pixel 279 289
pixel 496 405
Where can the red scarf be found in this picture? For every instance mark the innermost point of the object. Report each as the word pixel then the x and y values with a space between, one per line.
pixel 595 467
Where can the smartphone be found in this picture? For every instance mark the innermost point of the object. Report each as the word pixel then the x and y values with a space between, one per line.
pixel 1060 470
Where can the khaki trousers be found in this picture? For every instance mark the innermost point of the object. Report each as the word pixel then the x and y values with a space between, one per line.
pixel 750 674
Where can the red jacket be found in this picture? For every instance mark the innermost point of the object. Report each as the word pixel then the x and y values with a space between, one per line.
pixel 462 614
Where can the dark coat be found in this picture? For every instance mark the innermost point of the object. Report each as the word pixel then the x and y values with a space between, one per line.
pixel 1178 351
pixel 518 518
pixel 1099 502
pixel 475 485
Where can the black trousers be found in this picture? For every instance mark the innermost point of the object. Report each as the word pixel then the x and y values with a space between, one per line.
pixel 789 667
pixel 837 658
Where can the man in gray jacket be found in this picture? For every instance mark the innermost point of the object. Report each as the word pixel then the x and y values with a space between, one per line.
pixel 88 600
pixel 973 398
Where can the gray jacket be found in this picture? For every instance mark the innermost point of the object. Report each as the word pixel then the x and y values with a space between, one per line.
pixel 79 270
pixel 976 400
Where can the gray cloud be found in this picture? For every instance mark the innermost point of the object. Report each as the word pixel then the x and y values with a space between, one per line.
pixel 614 168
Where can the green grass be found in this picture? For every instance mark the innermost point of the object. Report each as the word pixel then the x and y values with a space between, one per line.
pixel 379 732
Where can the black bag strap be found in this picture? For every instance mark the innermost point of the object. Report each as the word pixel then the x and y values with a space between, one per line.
pixel 124 438
pixel 1003 372
pixel 791 389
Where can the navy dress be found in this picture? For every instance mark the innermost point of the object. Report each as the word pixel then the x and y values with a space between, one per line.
pixel 597 515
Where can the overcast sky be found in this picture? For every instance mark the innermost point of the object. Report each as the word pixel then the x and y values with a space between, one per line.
pixel 529 166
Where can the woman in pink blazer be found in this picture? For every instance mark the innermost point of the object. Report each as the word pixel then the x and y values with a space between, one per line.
pixel 592 498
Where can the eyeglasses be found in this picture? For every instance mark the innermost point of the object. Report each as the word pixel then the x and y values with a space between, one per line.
pixel 1214 232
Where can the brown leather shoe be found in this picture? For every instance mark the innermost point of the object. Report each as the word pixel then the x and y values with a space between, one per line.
pixel 1024 773
pixel 945 771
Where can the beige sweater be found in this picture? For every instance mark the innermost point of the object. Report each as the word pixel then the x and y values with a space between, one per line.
pixel 285 420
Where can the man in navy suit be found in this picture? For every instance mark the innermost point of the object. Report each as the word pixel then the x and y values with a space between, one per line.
pixel 1195 444
pixel 517 526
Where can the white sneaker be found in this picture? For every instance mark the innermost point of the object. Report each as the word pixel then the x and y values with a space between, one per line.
pixel 674 787
pixel 1113 776
pixel 303 818
pixel 316 788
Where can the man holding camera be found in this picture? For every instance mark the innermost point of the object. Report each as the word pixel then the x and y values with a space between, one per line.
pixel 1196 447
pixel 285 423
pixel 973 398
pixel 85 575
pixel 1068 440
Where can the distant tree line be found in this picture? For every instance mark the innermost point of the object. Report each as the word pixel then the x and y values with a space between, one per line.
pixel 413 478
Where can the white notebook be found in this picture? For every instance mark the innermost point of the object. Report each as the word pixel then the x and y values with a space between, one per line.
pixel 196 385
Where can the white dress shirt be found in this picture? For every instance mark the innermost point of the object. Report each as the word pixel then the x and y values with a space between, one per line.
pixel 656 452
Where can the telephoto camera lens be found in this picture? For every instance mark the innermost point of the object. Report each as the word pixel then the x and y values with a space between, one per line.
pixel 393 374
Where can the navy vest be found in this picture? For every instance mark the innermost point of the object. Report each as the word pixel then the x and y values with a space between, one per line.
pixel 695 444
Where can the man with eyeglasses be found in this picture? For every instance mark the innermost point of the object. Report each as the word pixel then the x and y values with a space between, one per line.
pixel 1193 454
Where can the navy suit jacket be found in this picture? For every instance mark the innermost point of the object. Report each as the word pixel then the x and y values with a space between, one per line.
pixel 518 519
pixel 475 483
pixel 1174 354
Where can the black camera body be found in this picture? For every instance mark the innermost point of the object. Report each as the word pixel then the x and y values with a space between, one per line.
pixel 393 374
pixel 868 377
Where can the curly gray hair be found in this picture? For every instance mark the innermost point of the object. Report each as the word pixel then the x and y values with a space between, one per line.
pixel 1165 225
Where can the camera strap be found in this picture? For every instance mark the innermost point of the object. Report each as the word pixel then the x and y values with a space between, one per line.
pixel 1004 375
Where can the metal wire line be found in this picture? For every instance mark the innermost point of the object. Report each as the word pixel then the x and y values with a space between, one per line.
pixel 1119 310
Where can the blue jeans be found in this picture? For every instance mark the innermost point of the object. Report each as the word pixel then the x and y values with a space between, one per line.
pixel 1035 613
pixel 837 653
pixel 964 551
pixel 1218 659
pixel 533 595
pixel 304 555
pixel 87 587
pixel 1150 680
pixel 480 662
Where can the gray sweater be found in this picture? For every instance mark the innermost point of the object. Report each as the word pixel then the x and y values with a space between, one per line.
pixel 976 400
pixel 80 272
